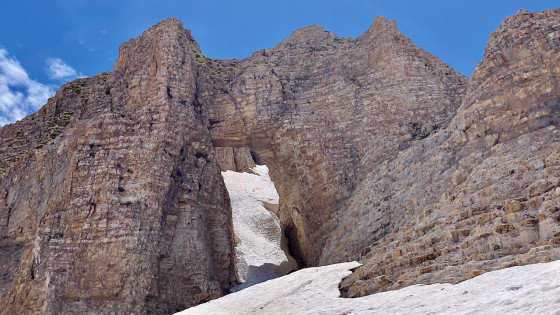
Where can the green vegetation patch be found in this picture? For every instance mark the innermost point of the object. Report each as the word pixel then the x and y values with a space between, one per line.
pixel 78 87
pixel 103 75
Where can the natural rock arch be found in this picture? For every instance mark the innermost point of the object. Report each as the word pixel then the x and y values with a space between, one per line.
pixel 322 112
pixel 379 151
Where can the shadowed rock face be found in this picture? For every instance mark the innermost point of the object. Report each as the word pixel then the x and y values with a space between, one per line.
pixel 111 196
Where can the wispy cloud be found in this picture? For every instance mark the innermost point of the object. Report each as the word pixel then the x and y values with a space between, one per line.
pixel 19 95
pixel 58 69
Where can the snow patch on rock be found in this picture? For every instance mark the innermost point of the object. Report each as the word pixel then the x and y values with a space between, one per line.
pixel 256 227
pixel 531 289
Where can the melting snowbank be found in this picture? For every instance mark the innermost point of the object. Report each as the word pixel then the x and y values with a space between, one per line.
pixel 528 289
pixel 257 230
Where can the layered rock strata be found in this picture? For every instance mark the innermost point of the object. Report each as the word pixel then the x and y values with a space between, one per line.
pixel 322 112
pixel 481 194
pixel 235 159
pixel 111 196
pixel 111 213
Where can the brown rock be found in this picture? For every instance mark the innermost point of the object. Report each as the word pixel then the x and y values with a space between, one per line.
pixel 322 112
pixel 235 159
pixel 529 222
pixel 108 212
pixel 224 157
pixel 510 95
pixel 513 206
pixel 508 217
pixel 404 277
pixel 243 159
pixel 474 273
pixel 112 200
pixel 541 217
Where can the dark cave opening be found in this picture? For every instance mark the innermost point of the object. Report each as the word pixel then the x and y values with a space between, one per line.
pixel 256 158
pixel 290 236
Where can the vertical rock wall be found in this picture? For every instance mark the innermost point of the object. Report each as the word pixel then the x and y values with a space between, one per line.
pixel 237 159
pixel 115 214
pixel 322 112
pixel 111 197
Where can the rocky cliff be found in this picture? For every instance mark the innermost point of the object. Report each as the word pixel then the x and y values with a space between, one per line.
pixel 114 200
pixel 481 194
pixel 322 112
pixel 111 196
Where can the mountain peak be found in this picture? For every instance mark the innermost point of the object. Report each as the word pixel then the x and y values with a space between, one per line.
pixel 383 22
pixel 165 32
pixel 381 26
pixel 314 36
pixel 171 23
pixel 112 200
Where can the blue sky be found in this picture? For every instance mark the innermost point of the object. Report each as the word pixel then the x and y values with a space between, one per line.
pixel 46 43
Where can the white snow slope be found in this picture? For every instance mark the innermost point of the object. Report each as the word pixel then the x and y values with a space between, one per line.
pixel 532 289
pixel 257 230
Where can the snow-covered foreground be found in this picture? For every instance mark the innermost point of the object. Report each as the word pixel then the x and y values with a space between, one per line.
pixel 532 289
pixel 256 227
pixel 529 289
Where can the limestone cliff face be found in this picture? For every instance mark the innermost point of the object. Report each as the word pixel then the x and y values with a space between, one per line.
pixel 111 196
pixel 323 111
pixel 125 210
pixel 481 194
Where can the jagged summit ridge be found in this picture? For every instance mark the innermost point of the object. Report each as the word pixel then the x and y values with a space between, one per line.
pixel 381 25
pixel 313 36
pixel 167 32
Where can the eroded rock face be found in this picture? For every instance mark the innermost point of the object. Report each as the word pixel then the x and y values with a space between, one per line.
pixel 322 112
pixel 111 196
pixel 237 159
pixel 115 214
pixel 480 194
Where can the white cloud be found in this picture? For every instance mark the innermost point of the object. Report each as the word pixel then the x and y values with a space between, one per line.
pixel 58 69
pixel 19 95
